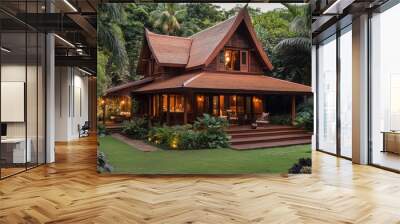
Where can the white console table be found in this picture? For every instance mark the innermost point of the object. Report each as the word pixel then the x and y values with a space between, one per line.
pixel 19 154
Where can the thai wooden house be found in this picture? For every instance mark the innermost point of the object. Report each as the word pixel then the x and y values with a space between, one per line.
pixel 221 71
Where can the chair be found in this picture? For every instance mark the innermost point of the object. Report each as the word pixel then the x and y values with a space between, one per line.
pixel 84 130
pixel 263 120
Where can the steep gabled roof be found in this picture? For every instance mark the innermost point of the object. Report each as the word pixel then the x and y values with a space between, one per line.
pixel 169 50
pixel 206 42
pixel 201 48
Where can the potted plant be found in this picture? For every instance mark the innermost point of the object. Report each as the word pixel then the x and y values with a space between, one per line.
pixel 254 125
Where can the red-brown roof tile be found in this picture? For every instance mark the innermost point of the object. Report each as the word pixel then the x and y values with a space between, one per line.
pixel 202 47
pixel 169 50
pixel 125 89
pixel 205 42
pixel 233 82
pixel 170 83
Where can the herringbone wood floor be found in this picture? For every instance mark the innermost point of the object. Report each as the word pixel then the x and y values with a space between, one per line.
pixel 70 191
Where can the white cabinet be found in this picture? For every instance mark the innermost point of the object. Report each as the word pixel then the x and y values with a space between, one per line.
pixel 19 154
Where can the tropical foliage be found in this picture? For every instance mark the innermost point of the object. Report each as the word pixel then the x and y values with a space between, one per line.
pixel 284 33
pixel 102 164
pixel 113 60
pixel 101 129
pixel 136 128
pixel 302 166
pixel 283 119
pixel 294 53
pixel 206 133
pixel 305 115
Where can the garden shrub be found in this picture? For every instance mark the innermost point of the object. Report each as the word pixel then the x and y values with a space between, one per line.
pixel 302 166
pixel 188 139
pixel 160 135
pixel 211 131
pixel 207 132
pixel 102 164
pixel 306 170
pixel 101 130
pixel 137 128
pixel 305 161
pixel 305 116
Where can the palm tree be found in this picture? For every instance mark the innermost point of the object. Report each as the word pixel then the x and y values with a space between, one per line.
pixel 111 39
pixel 166 18
pixel 295 52
pixel 301 23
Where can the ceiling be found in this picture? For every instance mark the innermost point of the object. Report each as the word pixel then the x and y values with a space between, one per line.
pixel 74 22
pixel 330 15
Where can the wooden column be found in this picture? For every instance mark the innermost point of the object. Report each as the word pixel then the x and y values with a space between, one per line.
pixel 149 115
pixel 160 111
pixel 92 99
pixel 168 106
pixel 293 113
pixel 185 108
pixel 253 116
pixel 104 110
pixel 133 105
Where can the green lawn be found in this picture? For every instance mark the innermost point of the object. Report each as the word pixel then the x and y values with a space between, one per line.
pixel 126 159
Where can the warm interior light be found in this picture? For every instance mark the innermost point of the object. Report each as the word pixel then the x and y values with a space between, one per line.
pixel 123 102
pixel 102 101
pixel 227 57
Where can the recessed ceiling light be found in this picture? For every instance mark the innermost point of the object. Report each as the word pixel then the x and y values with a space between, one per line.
pixel 5 50
pixel 84 71
pixel 337 7
pixel 70 5
pixel 65 41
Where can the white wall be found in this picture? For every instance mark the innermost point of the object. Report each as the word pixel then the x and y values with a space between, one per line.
pixel 71 102
pixel 314 88
pixel 33 126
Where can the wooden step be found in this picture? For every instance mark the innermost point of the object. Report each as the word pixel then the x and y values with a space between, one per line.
pixel 268 133
pixel 271 144
pixel 260 139
pixel 114 129
pixel 260 129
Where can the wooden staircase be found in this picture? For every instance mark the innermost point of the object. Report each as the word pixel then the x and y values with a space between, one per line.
pixel 244 137
pixel 116 128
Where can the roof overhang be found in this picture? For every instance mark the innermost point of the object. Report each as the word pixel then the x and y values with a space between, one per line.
pixel 127 88
pixel 223 82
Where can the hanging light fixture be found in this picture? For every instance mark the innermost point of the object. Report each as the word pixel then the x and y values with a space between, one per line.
pixel 5 50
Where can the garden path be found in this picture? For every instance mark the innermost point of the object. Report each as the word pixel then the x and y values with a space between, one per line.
pixel 137 144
